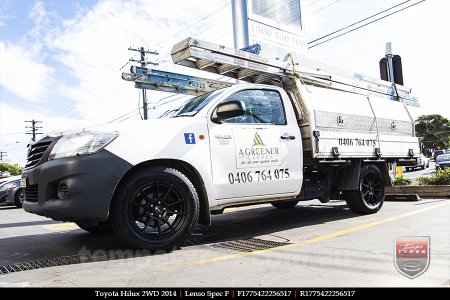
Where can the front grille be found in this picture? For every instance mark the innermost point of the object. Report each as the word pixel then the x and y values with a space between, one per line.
pixel 31 193
pixel 36 152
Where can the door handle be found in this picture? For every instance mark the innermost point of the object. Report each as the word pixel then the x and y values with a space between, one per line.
pixel 288 137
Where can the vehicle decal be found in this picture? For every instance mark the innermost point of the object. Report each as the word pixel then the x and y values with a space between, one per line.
pixel 189 138
pixel 258 175
pixel 257 148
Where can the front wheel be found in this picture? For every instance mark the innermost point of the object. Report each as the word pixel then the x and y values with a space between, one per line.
pixel 370 196
pixel 155 209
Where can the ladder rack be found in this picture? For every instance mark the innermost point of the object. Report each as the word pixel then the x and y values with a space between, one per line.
pixel 158 80
pixel 249 67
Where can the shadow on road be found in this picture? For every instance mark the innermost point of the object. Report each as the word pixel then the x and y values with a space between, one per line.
pixel 232 225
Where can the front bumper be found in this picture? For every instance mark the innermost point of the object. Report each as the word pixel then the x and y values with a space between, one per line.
pixel 90 181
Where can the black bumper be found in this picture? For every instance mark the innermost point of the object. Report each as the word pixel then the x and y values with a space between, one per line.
pixel 90 180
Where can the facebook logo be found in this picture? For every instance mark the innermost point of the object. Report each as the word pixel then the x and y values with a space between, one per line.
pixel 189 138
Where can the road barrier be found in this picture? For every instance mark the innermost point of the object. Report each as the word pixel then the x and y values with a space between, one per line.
pixel 422 191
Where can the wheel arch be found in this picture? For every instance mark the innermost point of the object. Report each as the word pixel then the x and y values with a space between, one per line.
pixel 189 171
pixel 349 177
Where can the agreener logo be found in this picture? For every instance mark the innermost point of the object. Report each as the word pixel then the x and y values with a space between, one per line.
pixel 259 148
pixel 259 151
pixel 412 255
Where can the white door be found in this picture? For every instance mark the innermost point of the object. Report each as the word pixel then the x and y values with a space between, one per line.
pixel 259 153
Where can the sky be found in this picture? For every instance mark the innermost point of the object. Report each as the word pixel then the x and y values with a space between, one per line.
pixel 61 61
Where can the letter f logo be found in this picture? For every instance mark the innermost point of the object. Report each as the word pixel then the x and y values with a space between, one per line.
pixel 189 138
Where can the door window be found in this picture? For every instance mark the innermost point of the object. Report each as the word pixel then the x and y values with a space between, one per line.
pixel 261 107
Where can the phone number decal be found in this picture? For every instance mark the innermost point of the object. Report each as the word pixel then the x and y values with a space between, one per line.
pixel 264 175
pixel 357 142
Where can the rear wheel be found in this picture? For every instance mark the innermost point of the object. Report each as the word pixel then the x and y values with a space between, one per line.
pixel 370 196
pixel 18 198
pixel 155 209
pixel 285 204
pixel 100 227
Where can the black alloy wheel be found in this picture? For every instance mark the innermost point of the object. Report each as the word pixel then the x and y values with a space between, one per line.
pixel 370 196
pixel 155 209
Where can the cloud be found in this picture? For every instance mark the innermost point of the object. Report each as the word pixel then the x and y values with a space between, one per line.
pixel 94 46
pixel 12 129
pixel 39 14
pixel 21 73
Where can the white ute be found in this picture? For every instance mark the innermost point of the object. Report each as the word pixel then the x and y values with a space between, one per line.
pixel 297 131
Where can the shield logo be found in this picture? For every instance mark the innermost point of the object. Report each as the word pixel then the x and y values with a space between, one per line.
pixel 412 255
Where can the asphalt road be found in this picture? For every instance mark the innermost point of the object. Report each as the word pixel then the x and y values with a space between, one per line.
pixel 322 245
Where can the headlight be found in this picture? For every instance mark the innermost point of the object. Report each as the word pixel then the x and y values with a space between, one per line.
pixel 81 143
pixel 8 186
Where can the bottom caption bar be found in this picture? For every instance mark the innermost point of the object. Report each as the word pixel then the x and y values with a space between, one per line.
pixel 223 293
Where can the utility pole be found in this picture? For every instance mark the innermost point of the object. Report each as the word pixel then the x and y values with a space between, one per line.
pixel 144 64
pixel 33 128
pixel 240 23
pixel 2 154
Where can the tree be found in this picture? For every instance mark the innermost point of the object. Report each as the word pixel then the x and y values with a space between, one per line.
pixel 434 131
pixel 11 169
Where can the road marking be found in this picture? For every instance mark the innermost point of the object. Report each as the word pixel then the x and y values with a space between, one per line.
pixel 67 226
pixel 312 240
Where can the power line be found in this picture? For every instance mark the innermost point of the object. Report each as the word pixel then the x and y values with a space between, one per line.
pixel 312 3
pixel 366 24
pixel 322 8
pixel 339 30
pixel 12 133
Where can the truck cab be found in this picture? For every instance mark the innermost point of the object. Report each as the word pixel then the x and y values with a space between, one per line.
pixel 234 146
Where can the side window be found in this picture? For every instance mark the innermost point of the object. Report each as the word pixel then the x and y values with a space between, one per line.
pixel 262 107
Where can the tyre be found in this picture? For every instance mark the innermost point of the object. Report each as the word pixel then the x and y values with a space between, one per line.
pixel 18 198
pixel 101 227
pixel 285 204
pixel 155 209
pixel 370 196
pixel 423 167
pixel 408 169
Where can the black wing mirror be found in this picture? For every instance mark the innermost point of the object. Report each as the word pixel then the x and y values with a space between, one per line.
pixel 229 110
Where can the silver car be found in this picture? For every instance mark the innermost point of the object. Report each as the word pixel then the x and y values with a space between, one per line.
pixel 15 194
pixel 10 183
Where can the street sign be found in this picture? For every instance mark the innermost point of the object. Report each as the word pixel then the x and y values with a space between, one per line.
pixel 277 26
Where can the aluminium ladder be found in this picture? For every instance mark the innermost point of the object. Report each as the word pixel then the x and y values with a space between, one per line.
pixel 249 67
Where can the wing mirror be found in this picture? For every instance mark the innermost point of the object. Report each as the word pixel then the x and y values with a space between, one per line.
pixel 229 110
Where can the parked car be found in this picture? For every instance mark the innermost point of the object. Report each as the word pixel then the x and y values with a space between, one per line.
pixel 3 193
pixel 421 162
pixel 437 153
pixel 7 184
pixel 443 161
pixel 14 193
